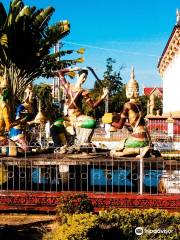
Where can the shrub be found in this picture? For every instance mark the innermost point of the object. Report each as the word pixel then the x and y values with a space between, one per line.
pixel 76 228
pixel 78 203
pixel 118 224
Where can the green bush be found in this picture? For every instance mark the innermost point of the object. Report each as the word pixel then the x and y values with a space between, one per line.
pixel 127 221
pixel 118 224
pixel 75 228
pixel 76 203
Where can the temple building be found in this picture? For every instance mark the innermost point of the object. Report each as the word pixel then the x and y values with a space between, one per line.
pixel 169 69
pixel 155 98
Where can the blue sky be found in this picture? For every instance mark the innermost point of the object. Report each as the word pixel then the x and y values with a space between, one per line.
pixel 131 32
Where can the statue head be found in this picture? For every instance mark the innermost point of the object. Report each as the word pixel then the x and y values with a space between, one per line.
pixel 82 76
pixel 132 87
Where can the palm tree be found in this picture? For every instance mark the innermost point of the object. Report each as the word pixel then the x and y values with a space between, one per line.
pixel 26 40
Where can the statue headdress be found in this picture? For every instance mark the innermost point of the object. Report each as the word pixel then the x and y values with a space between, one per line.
pixel 133 84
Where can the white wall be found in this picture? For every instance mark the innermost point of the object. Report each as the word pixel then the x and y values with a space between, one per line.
pixel 171 86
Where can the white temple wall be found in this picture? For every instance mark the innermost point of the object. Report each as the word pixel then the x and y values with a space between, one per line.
pixel 171 86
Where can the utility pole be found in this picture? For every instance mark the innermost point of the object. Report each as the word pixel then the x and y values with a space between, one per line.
pixel 56 83
pixel 107 104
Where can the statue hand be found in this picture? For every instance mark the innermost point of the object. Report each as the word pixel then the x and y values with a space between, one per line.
pixel 7 129
pixel 61 72
pixel 65 70
pixel 78 123
pixel 75 69
pixel 30 122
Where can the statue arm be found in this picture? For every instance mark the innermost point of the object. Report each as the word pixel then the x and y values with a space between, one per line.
pixel 90 101
pixel 6 114
pixel 63 80
pixel 119 124
pixel 123 116
pixel 19 121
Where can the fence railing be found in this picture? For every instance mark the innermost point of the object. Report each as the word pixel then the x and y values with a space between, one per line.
pixel 54 173
pixel 88 174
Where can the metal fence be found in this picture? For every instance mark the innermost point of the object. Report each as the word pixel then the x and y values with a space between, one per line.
pixel 100 174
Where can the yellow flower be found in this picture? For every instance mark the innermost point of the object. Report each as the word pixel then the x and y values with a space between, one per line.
pixel 81 51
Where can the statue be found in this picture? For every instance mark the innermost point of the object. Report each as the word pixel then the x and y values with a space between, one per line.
pixel 28 93
pixel 78 124
pixel 22 116
pixel 8 147
pixel 17 130
pixel 138 143
pixel 58 132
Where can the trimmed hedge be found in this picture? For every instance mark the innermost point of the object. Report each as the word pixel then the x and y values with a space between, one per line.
pixel 118 224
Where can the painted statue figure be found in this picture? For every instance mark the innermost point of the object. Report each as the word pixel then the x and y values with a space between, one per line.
pixel 79 124
pixel 58 132
pixel 138 143
pixel 7 147
pixel 17 133
pixel 22 116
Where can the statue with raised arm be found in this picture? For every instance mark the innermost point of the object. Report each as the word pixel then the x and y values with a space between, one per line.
pixel 81 124
pixel 138 143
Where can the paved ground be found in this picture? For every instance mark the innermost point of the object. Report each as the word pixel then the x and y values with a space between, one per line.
pixel 24 226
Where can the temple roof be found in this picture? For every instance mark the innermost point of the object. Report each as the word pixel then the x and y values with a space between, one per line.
pixel 173 40
pixel 167 44
pixel 148 90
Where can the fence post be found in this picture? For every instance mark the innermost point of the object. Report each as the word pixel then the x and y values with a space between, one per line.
pixel 107 128
pixel 170 123
pixel 141 175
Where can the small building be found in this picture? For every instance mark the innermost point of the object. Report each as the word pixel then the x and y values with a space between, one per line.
pixel 169 69
pixel 154 94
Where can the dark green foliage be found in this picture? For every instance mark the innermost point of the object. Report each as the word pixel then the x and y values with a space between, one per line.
pixel 158 103
pixel 76 203
pixel 44 94
pixel 26 40
pixel 143 101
